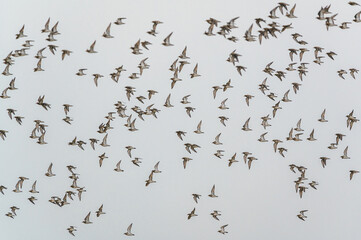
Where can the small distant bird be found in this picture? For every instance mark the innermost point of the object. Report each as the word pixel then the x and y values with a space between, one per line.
pixel 67 108
pixel 21 33
pixel 301 215
pixel 213 194
pixel 215 214
pixel 117 167
pixel 324 161
pixel 86 219
pixel 119 21
pixel 150 179
pixel 65 53
pixel 91 48
pixel 322 119
pixel 81 72
pixel 185 161
pixel 129 230
pixel 166 41
pixel 32 199
pixel 100 211
pixel 46 27
pixel 42 103
pixel 106 34
pixel 352 173
pixel 49 173
pixel 2 188
pixel 223 230
pixel 196 197
pixel 192 214
pixel 33 188
pixel 199 126
pixel 195 72
pixel 156 168
pixel 71 230
pixel 344 156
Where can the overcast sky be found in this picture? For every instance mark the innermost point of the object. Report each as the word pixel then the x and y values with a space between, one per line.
pixel 260 203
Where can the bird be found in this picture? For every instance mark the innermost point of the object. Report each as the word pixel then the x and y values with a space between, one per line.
pixel 196 197
pixel 71 230
pixel 324 161
pixel 248 98
pixel 67 108
pixel 41 102
pixel 150 179
pixel 117 167
pixel 213 194
pixel 215 214
pixel 192 214
pixel 322 119
pixel 32 199
pixel 167 102
pixel 216 141
pixel 301 215
pixel 185 161
pixel 223 105
pixel 91 48
pixel 136 161
pixel 223 229
pixel 100 211
pixel 245 126
pixel 21 33
pixel 104 142
pixel 65 53
pixel 129 150
pixel 96 77
pixel 199 130
pixel 311 137
pixel 232 160
pixel 250 160
pixel 106 34
pixel 129 230
pixel 49 173
pixel 2 188
pixel 156 166
pixel 101 159
pixel 166 41
pixel 344 156
pixel 215 89
pixel 33 188
pixel 195 72
pixel 119 21
pixel 352 173
pixel 46 27
pixel 87 219
pixel 313 184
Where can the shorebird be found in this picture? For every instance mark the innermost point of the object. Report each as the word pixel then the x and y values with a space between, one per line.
pixel 91 48
pixel 87 219
pixel 100 211
pixel 301 215
pixel 213 194
pixel 192 214
pixel 352 173
pixel 196 197
pixel 129 230
pixel 215 214
pixel 106 34
pixel 223 229
pixel 71 230
pixel 166 41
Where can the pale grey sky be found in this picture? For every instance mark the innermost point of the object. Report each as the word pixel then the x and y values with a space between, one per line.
pixel 260 203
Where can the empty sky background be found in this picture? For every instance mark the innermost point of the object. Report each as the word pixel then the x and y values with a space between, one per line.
pixel 260 203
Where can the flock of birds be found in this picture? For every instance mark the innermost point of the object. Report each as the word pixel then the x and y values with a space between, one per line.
pixel 267 27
